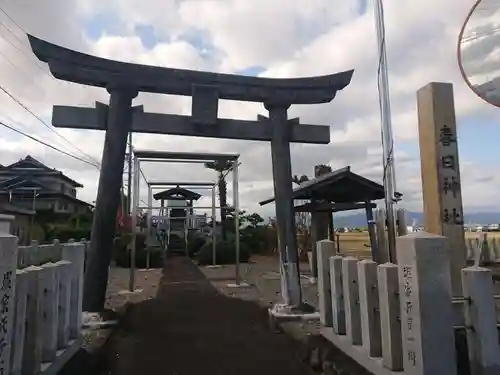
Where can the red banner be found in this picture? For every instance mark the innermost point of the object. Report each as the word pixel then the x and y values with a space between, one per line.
pixel 123 222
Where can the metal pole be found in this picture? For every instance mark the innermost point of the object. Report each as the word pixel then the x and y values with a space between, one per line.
pixel 236 203
pixel 129 173
pixel 214 246
pixel 135 202
pixel 150 214
pixel 387 137
pixel 33 208
pixel 150 225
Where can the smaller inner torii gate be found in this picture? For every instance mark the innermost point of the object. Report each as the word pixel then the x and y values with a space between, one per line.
pixel 182 185
pixel 185 157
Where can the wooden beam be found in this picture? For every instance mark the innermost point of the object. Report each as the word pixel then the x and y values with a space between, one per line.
pixel 331 207
pixel 90 70
pixel 158 123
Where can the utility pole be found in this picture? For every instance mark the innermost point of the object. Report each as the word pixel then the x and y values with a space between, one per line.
pixel 129 182
pixel 387 137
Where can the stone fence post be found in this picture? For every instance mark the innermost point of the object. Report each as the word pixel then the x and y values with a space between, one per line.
pixel 6 223
pixel 325 249
pixel 481 321
pixel 74 253
pixel 8 266
pixel 426 304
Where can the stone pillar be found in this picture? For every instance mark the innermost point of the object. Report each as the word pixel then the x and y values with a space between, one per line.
pixel 6 223
pixel 75 254
pixel 119 123
pixel 65 275
pixel 8 266
pixel 326 250
pixel 22 285
pixel 50 310
pixel 426 304
pixel 33 344
pixel 319 232
pixel 320 222
pixel 440 172
pixel 481 321
pixel 285 213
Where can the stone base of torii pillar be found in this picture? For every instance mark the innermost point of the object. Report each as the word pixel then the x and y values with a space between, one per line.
pixel 286 312
pixel 281 313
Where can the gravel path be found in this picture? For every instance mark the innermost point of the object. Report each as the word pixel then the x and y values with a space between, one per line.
pixel 191 328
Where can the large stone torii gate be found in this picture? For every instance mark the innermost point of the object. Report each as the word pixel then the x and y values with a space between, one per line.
pixel 124 81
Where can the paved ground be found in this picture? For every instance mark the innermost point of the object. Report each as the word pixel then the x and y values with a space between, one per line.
pixel 191 328
pixel 146 284
pixel 265 288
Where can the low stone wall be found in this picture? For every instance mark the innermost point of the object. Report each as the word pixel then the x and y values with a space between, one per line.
pixel 40 305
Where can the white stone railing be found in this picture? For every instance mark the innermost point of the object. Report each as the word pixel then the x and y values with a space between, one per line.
pixel 401 319
pixel 486 247
pixel 40 305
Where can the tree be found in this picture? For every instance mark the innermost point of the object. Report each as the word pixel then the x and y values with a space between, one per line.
pixel 254 220
pixel 299 180
pixel 221 166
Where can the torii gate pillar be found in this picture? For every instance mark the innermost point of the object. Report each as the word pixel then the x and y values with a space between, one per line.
pixel 285 215
pixel 119 123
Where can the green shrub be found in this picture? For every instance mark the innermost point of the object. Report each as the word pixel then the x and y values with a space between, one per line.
pixel 121 253
pixel 225 253
pixel 195 243
pixel 64 232
pixel 254 239
pixel 175 236
pixel 155 258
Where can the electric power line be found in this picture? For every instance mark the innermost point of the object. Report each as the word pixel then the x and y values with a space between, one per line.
pixel 46 125
pixel 46 144
pixel 9 30
pixel 470 38
pixel 30 60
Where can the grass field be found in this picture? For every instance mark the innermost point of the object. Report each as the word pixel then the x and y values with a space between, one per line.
pixel 357 243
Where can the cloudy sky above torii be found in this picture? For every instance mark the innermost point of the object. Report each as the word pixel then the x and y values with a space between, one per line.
pixel 276 38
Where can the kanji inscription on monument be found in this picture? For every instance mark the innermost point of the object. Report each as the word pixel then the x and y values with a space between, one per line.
pixel 8 264
pixel 442 191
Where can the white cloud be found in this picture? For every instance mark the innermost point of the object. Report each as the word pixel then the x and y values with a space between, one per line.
pixel 288 39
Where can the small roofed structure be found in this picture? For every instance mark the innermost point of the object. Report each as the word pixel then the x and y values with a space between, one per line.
pixel 179 203
pixel 177 193
pixel 339 190
pixel 339 186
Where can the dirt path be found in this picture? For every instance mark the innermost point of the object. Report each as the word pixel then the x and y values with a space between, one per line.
pixel 190 328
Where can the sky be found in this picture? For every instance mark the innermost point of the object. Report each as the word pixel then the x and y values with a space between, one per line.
pixel 480 51
pixel 271 38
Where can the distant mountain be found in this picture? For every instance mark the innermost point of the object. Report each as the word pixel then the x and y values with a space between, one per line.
pixel 359 219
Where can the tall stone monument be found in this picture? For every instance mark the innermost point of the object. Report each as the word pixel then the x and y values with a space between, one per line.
pixel 442 193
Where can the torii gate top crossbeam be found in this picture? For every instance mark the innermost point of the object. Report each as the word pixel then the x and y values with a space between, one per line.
pixel 90 70
pixel 181 184
pixel 165 155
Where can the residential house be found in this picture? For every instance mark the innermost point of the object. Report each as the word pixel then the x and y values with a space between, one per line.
pixel 32 185
pixel 21 226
